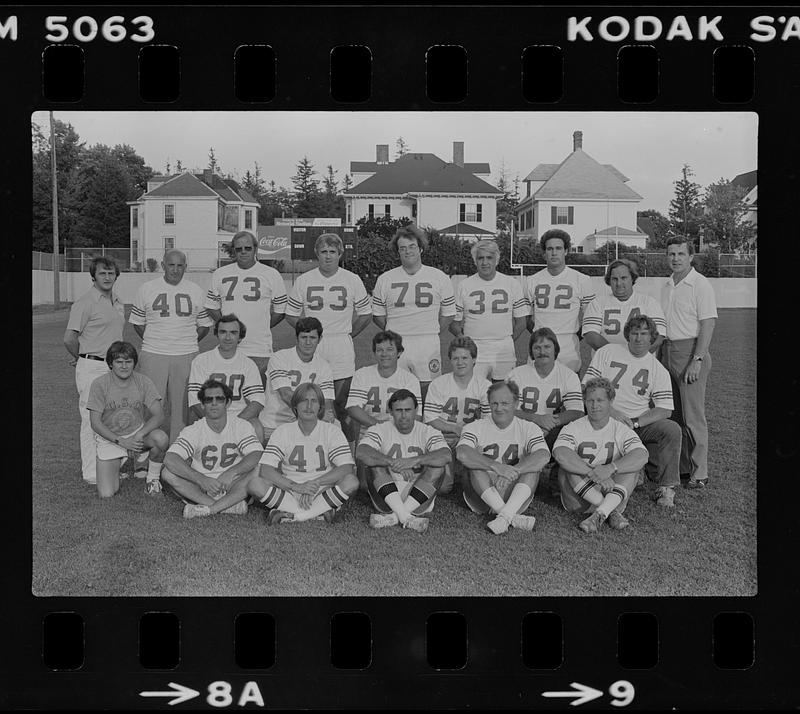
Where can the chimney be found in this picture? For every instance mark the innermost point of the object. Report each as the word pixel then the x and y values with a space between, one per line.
pixel 207 176
pixel 382 153
pixel 577 140
pixel 458 153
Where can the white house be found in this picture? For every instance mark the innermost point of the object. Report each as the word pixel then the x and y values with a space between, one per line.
pixel 588 200
pixel 431 192
pixel 749 182
pixel 191 212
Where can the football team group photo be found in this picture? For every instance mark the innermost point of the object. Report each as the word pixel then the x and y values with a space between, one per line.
pixel 541 431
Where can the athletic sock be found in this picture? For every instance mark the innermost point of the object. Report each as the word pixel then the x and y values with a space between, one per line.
pixel 613 498
pixel 519 495
pixel 491 497
pixel 153 470
pixel 390 494
pixel 281 500
pixel 588 490
pixel 331 499
pixel 421 493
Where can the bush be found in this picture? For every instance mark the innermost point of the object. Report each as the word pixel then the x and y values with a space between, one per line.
pixel 152 265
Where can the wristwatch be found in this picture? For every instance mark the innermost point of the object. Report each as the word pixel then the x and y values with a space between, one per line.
pixel 635 423
pixel 116 440
pixel 697 358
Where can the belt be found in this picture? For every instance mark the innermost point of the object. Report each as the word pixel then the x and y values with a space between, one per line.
pixel 99 359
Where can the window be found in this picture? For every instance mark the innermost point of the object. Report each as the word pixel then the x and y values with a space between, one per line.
pixel 169 243
pixel 414 210
pixel 371 211
pixel 248 220
pixel 387 210
pixel 135 250
pixel 562 215
pixel 169 214
pixel 471 212
pixel 576 249
pixel 349 219
pixel 135 217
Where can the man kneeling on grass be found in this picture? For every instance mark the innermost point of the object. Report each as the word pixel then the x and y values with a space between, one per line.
pixel 599 458
pixel 213 456
pixel 504 455
pixel 307 469
pixel 407 460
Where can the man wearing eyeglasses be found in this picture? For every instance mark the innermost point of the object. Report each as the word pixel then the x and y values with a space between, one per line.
pixel 211 455
pixel 255 292
pixel 417 302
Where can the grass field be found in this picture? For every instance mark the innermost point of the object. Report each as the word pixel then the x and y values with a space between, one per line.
pixel 134 545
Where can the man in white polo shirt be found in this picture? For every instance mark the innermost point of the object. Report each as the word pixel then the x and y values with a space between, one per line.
pixel 95 322
pixel 691 311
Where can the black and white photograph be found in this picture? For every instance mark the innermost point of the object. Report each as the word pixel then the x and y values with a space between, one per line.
pixel 431 354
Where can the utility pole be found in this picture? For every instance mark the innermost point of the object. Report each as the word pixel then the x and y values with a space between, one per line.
pixel 54 182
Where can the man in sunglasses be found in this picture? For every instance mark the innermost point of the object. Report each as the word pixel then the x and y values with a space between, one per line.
pixel 211 455
pixel 252 290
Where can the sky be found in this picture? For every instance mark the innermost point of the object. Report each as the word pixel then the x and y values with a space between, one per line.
pixel 650 148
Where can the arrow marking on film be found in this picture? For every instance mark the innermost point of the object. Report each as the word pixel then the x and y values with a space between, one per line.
pixel 581 691
pixel 179 693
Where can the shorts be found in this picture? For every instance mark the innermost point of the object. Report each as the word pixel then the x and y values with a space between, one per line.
pixel 338 352
pixel 496 358
pixel 403 488
pixel 477 505
pixel 422 356
pixel 108 450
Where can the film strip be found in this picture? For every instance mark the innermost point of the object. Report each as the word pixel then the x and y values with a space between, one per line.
pixel 412 643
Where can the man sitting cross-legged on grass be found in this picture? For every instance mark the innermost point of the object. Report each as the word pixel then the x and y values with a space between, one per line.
pixel 407 460
pixel 307 469
pixel 212 456
pixel 124 412
pixel 599 458
pixel 504 455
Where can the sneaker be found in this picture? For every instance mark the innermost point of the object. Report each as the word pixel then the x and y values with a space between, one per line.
pixel 237 509
pixel 415 523
pixel 697 483
pixel 665 496
pixel 141 463
pixel 498 525
pixel 617 521
pixel 524 523
pixel 193 510
pixel 153 488
pixel 383 520
pixel 592 523
pixel 275 516
pixel 328 516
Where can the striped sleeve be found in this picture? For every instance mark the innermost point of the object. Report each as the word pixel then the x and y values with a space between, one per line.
pixel 536 443
pixel 273 455
pixel 339 453
pixel 372 438
pixel 138 314
pixel 595 368
pixel 248 443
pixel 195 382
pixel 433 403
pixel 435 441
pixel 521 307
pixel 204 319
pixel 631 443
pixel 468 438
pixel 448 306
pixel 662 389
pixel 572 396
pixel 362 302
pixel 587 291
pixel 566 438
pixel 279 297
pixel 379 297
pixel 459 303
pixel 183 447
pixel 358 391
pixel 591 318
pixel 325 383
pixel 277 373
pixel 213 297
pixel 294 304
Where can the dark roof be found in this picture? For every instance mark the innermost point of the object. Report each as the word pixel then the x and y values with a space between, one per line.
pixel 580 176
pixel 747 180
pixel 645 225
pixel 464 229
pixel 182 185
pixel 544 171
pixel 370 167
pixel 420 173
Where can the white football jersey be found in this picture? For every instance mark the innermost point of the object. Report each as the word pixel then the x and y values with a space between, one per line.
pixel 239 372
pixel 412 303
pixel 250 294
pixel 487 307
pixel 598 447
pixel 446 400
pixel 558 391
pixel 331 300
pixel 171 315
pixel 211 452
pixel 371 392
pixel 302 458
pixel 556 300
pixel 520 438
pixel 638 380
pixel 286 369
pixel 607 315
pixel 389 440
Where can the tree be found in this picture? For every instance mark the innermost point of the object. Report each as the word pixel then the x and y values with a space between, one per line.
pixel 306 188
pixel 723 221
pixel 178 167
pixel 660 226
pixel 401 147
pixel 138 172
pixel 347 183
pixel 685 209
pixel 253 182
pixel 212 161
pixel 507 203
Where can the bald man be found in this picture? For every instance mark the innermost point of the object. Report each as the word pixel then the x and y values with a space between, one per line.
pixel 169 316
